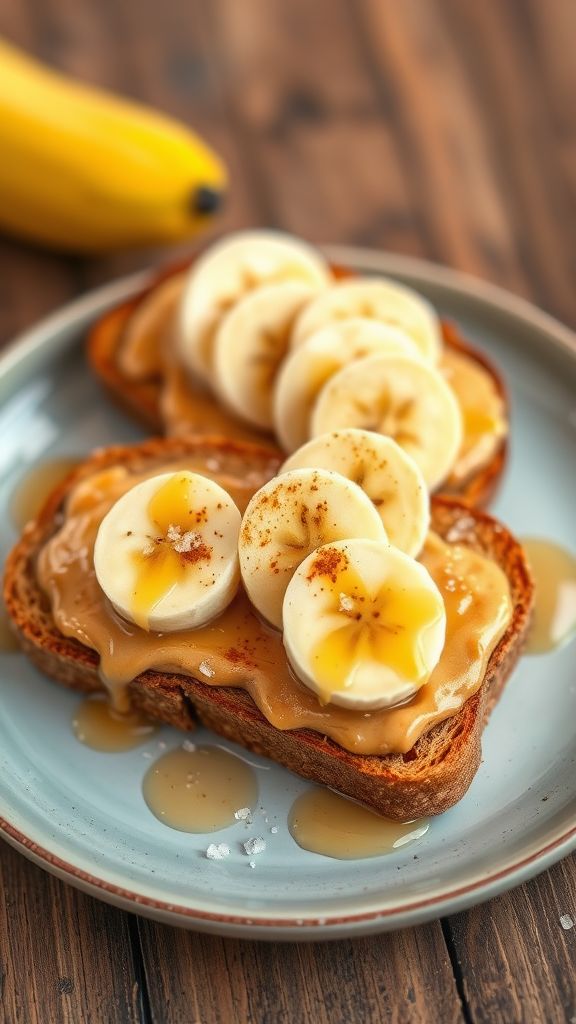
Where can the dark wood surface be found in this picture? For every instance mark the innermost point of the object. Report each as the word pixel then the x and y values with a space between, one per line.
pixel 431 127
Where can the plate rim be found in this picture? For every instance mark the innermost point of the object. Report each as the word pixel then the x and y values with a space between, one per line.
pixel 295 928
pixel 516 869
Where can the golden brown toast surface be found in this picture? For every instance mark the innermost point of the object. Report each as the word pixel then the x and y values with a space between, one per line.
pixel 427 780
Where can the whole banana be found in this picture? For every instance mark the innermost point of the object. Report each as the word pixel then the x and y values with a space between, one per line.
pixel 84 171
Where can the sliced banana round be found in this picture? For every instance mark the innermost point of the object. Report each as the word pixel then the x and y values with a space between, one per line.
pixel 166 552
pixel 287 519
pixel 228 270
pixel 307 368
pixel 375 299
pixel 404 398
pixel 364 624
pixel 150 329
pixel 250 344
pixel 384 471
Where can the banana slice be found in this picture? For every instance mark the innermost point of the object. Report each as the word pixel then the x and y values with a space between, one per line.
pixel 401 397
pixel 227 271
pixel 287 519
pixel 364 624
pixel 317 358
pixel 150 329
pixel 375 299
pixel 385 472
pixel 166 552
pixel 250 344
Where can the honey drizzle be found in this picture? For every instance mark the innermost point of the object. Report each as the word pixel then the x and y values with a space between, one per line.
pixel 199 790
pixel 325 822
pixel 554 620
pixel 98 725
pixel 238 650
pixel 161 567
pixel 385 629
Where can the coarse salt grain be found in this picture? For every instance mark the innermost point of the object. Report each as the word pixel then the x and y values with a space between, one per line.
pixel 346 603
pixel 218 851
pixel 252 864
pixel 274 829
pixel 148 548
pixel 243 814
pixel 255 845
pixel 183 542
pixel 567 922
pixel 188 746
pixel 206 669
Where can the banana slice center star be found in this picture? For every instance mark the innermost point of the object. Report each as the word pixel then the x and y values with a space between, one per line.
pixel 380 628
pixel 175 545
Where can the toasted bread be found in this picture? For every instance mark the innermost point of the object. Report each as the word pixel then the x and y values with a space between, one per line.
pixel 141 398
pixel 427 780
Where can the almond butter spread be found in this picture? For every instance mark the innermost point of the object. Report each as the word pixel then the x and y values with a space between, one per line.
pixel 238 650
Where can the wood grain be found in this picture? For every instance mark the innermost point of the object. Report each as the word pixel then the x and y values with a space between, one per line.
pixel 389 979
pixel 64 957
pixel 429 127
pixel 516 960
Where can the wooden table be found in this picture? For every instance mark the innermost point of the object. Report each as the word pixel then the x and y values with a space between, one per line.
pixel 431 127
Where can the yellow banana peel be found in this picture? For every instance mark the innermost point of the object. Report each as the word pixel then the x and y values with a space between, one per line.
pixel 85 171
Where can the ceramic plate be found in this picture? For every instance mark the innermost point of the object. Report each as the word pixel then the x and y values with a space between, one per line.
pixel 81 815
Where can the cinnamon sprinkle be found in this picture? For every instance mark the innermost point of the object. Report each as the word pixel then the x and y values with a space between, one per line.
pixel 328 563
pixel 203 551
pixel 240 657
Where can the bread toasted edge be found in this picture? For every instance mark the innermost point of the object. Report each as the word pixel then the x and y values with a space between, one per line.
pixel 432 777
pixel 141 399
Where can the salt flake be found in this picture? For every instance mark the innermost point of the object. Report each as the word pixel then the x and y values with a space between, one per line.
pixel 255 845
pixel 218 851
pixel 183 542
pixel 567 922
pixel 206 669
pixel 243 814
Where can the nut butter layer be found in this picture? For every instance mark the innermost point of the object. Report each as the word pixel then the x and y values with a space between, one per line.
pixel 430 776
pixel 238 650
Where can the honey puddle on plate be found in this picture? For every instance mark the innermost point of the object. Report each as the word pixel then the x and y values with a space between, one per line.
pixel 199 790
pixel 322 821
pixel 32 490
pixel 554 570
pixel 97 725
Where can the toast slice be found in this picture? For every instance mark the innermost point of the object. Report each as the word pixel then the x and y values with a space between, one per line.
pixel 427 780
pixel 141 398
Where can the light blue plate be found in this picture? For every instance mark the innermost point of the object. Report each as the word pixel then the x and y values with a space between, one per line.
pixel 81 815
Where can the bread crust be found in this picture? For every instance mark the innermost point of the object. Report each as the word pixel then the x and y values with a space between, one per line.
pixel 141 399
pixel 427 780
